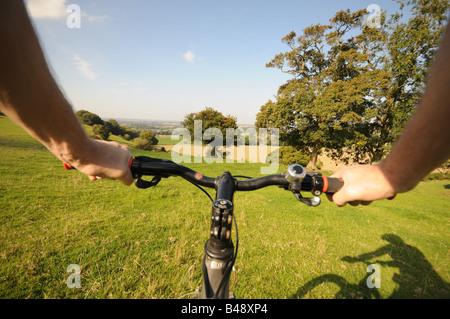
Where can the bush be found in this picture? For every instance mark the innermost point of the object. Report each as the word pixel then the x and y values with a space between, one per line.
pixel 289 155
pixel 99 131
pixel 437 177
pixel 149 136
pixel 142 144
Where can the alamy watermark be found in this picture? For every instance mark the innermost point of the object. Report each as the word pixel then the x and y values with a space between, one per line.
pixel 241 145
pixel 373 20
pixel 73 21
pixel 74 280
pixel 374 280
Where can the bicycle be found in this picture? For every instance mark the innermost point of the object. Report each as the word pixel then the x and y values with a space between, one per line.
pixel 220 252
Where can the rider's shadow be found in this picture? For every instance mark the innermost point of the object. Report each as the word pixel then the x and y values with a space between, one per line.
pixel 416 277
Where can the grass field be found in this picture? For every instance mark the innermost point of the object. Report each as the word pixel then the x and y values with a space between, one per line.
pixel 167 140
pixel 132 243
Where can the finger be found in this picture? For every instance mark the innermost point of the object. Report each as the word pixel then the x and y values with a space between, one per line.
pixel 339 198
pixel 124 147
pixel 336 174
pixel 94 178
pixel 329 196
pixel 338 202
pixel 355 203
pixel 128 181
pixel 128 178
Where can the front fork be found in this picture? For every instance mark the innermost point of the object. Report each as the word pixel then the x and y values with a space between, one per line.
pixel 219 249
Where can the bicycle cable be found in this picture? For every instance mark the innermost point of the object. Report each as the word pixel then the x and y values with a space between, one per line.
pixel 207 194
pixel 233 260
pixel 202 189
pixel 230 265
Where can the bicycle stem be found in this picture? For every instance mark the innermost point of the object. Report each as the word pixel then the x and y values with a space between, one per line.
pixel 219 249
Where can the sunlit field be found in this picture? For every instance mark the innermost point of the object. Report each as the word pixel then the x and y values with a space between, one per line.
pixel 134 243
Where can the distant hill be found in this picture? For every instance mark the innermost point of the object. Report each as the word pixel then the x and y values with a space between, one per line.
pixel 153 125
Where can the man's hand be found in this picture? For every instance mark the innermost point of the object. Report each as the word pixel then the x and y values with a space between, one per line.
pixel 362 185
pixel 104 159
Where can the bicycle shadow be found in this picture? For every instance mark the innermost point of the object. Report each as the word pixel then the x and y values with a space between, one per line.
pixel 416 277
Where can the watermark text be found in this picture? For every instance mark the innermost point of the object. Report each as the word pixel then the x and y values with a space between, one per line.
pixel 241 145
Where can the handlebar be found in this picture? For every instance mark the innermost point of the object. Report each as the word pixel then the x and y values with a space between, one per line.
pixel 295 179
pixel 142 165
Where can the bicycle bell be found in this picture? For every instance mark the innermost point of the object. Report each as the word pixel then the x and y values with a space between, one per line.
pixel 296 173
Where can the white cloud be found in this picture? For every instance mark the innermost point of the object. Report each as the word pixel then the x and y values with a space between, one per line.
pixel 189 56
pixel 84 67
pixel 53 9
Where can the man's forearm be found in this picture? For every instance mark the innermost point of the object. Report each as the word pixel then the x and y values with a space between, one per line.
pixel 25 80
pixel 425 142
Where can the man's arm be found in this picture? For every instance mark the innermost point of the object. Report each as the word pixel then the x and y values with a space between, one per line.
pixel 423 146
pixel 31 98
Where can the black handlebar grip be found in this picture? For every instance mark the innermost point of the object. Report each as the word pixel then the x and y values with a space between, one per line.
pixel 332 185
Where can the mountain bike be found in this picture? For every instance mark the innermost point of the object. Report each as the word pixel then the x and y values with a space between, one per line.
pixel 220 251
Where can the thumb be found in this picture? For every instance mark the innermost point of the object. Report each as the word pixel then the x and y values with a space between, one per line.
pixel 340 198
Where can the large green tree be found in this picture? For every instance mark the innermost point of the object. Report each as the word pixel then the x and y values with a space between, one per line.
pixel 353 86
pixel 210 118
pixel 88 118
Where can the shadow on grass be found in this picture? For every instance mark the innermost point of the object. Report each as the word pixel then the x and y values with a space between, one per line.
pixel 416 277
pixel 447 186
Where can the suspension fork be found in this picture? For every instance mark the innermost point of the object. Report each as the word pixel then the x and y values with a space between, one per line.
pixel 219 248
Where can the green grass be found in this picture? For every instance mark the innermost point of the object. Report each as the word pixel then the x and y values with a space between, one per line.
pixel 133 243
pixel 167 140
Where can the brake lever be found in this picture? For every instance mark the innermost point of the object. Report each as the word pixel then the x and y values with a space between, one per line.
pixel 311 201
pixel 140 183
pixel 295 176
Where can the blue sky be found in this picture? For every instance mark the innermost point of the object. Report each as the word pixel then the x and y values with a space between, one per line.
pixel 159 60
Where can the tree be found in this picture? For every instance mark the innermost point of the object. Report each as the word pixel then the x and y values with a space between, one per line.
pixel 99 131
pixel 114 127
pixel 149 136
pixel 411 47
pixel 321 105
pixel 88 118
pixel 353 86
pixel 210 119
pixel 145 141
